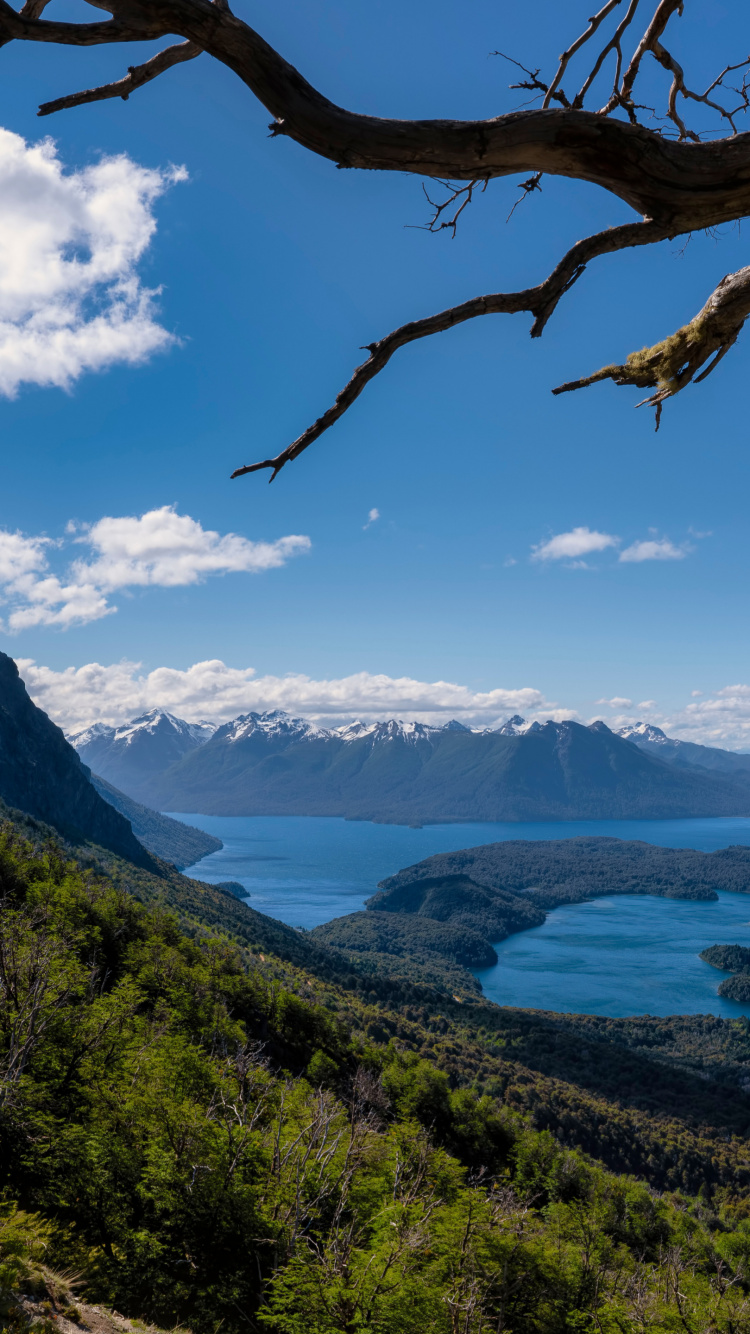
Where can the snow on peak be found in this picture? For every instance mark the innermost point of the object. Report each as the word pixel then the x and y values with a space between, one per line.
pixel 515 726
pixel 395 728
pixel 159 720
pixel 273 723
pixel 151 723
pixel 353 731
pixel 90 734
pixel 646 732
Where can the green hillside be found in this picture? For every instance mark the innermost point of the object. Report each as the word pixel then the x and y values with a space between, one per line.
pixel 217 1121
pixel 173 841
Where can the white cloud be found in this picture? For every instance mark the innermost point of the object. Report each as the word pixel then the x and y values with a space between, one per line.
pixel 78 696
pixel 372 517
pixel 662 549
pixel 166 548
pixel 21 556
pixel 719 719
pixel 160 547
pixel 616 702
pixel 568 546
pixel 70 296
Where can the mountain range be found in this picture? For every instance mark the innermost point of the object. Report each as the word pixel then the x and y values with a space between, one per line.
pixel 414 773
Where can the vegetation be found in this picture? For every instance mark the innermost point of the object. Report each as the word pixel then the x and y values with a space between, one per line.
pixel 212 1136
pixel 730 958
pixel 453 903
pixel 736 988
pixel 178 843
pixel 391 933
pixel 553 871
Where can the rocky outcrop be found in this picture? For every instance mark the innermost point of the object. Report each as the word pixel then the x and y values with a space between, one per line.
pixel 41 774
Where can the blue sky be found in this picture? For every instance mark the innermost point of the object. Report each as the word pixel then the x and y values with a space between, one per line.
pixel 275 268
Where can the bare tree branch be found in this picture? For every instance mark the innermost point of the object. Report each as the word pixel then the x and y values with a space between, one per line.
pixel 24 27
pixel 455 192
pixel 672 364
pixel 682 185
pixel 675 185
pixel 679 86
pixel 614 44
pixel 664 11
pixel 136 76
pixel 539 301
pixel 567 56
pixel 33 9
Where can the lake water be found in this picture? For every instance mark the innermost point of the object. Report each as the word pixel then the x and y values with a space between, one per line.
pixel 618 955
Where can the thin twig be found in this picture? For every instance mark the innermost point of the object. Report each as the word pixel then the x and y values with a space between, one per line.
pixel 539 301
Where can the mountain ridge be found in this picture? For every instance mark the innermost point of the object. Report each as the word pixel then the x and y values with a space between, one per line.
pixel 43 775
pixel 554 771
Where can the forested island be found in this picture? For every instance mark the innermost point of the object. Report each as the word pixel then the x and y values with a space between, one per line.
pixel 479 896
pixel 731 959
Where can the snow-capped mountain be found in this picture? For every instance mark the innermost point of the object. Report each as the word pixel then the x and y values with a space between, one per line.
pixel 273 763
pixel 684 754
pixel 409 772
pixel 394 729
pixel 128 756
pixel 516 726
pixel 273 724
pixel 645 732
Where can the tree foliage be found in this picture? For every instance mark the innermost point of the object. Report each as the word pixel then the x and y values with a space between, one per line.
pixel 208 1146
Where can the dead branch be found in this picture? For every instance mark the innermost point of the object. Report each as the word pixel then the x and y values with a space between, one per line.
pixel 682 185
pixel 539 301
pixel 533 83
pixel 567 56
pixel 672 364
pixel 527 188
pixel 679 86
pixel 136 77
pixel 676 185
pixel 614 44
pixel 464 192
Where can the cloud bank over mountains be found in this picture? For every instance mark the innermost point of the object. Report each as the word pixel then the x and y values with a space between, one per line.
pixel 71 299
pixel 159 548
pixel 76 697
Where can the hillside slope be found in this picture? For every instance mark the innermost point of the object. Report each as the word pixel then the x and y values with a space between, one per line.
pixel 40 773
pixel 298 1138
pixel 175 842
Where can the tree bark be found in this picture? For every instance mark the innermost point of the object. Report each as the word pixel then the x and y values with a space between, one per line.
pixel 680 185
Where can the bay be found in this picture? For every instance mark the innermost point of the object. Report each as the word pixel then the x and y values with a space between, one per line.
pixel 617 955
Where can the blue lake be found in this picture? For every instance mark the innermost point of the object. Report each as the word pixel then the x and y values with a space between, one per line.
pixel 615 956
